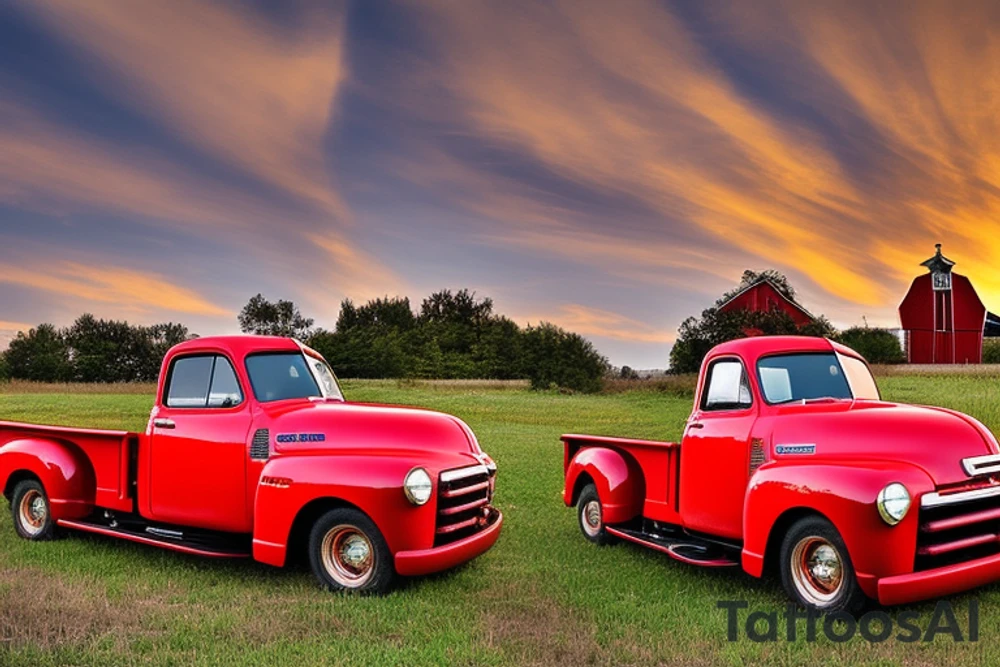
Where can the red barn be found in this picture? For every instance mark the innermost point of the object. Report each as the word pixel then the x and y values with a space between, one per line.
pixel 763 296
pixel 942 316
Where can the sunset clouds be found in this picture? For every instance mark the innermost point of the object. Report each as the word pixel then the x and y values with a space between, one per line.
pixel 612 167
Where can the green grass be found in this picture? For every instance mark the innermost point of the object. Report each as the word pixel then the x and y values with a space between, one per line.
pixel 543 595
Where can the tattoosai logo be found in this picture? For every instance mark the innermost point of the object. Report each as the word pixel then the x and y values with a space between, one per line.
pixel 300 437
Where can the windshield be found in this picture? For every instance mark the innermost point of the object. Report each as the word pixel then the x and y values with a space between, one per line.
pixel 327 380
pixel 282 375
pixel 797 377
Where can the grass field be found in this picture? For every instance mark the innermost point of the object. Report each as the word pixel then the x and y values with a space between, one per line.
pixel 542 596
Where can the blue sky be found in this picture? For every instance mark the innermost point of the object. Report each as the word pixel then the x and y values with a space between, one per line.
pixel 610 167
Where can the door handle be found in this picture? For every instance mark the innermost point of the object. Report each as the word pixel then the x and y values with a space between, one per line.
pixel 696 425
pixel 164 423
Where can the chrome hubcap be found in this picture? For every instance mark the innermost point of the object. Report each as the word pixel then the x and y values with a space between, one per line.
pixel 817 570
pixel 591 518
pixel 348 556
pixel 33 512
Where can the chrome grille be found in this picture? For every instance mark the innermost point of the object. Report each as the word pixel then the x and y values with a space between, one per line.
pixel 464 497
pixel 958 527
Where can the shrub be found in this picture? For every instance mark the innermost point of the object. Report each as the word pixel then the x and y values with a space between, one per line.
pixel 555 357
pixel 991 351
pixel 878 346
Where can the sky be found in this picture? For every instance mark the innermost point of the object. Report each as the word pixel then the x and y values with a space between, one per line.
pixel 609 167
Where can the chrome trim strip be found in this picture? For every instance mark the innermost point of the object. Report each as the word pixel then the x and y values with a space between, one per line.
pixel 981 465
pixel 462 473
pixel 935 499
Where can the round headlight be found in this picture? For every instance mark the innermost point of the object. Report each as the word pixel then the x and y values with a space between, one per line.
pixel 417 486
pixel 893 503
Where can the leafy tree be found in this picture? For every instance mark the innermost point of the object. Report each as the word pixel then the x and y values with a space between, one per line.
pixel 4 367
pixel 40 355
pixel 628 373
pixel 879 346
pixel 555 357
pixel 499 351
pixel 280 318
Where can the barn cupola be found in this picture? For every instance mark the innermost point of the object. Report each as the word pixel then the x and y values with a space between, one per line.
pixel 940 268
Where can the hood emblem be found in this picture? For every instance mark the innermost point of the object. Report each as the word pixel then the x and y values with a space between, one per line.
pixel 799 450
pixel 300 437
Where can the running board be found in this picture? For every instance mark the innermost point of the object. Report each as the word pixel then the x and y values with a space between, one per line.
pixel 683 548
pixel 153 539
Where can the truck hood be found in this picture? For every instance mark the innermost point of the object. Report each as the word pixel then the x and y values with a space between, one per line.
pixel 316 426
pixel 934 439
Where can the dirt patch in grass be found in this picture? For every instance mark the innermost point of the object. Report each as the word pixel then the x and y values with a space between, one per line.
pixel 530 628
pixel 46 612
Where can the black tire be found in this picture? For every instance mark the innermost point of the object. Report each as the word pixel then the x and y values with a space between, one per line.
pixel 592 526
pixel 348 553
pixel 30 509
pixel 816 569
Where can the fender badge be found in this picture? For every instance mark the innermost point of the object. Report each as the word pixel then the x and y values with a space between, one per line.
pixel 300 437
pixel 795 449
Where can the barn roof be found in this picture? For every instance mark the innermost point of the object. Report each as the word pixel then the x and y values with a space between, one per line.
pixel 757 283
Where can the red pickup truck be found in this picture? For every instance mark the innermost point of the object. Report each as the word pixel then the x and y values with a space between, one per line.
pixel 251 450
pixel 791 462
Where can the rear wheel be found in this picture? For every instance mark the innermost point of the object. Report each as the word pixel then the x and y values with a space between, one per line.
pixel 591 515
pixel 348 553
pixel 29 506
pixel 816 569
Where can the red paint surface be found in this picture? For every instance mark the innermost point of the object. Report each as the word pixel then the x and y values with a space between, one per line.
pixel 705 484
pixel 200 474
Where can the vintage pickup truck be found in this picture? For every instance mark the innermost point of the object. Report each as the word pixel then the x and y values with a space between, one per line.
pixel 251 450
pixel 791 463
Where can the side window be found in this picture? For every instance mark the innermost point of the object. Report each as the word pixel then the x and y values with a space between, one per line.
pixel 203 381
pixel 225 387
pixel 727 387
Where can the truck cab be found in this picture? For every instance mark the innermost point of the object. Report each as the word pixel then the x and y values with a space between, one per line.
pixel 791 461
pixel 251 450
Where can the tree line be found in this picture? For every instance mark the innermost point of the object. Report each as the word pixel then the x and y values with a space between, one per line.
pixel 453 335
pixel 91 350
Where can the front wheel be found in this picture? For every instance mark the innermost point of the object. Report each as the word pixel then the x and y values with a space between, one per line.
pixel 816 569
pixel 348 553
pixel 29 506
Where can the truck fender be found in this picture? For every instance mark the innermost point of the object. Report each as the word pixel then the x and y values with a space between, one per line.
pixel 291 488
pixel 62 468
pixel 844 493
pixel 617 476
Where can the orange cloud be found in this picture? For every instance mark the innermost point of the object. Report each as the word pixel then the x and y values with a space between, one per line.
pixel 126 289
pixel 226 81
pixel 621 99
pixel 604 323
pixel 354 273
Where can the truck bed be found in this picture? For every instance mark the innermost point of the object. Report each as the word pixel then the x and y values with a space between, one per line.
pixel 111 454
pixel 659 462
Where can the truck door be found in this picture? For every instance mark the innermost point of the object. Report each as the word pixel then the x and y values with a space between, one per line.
pixel 715 451
pixel 198 450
